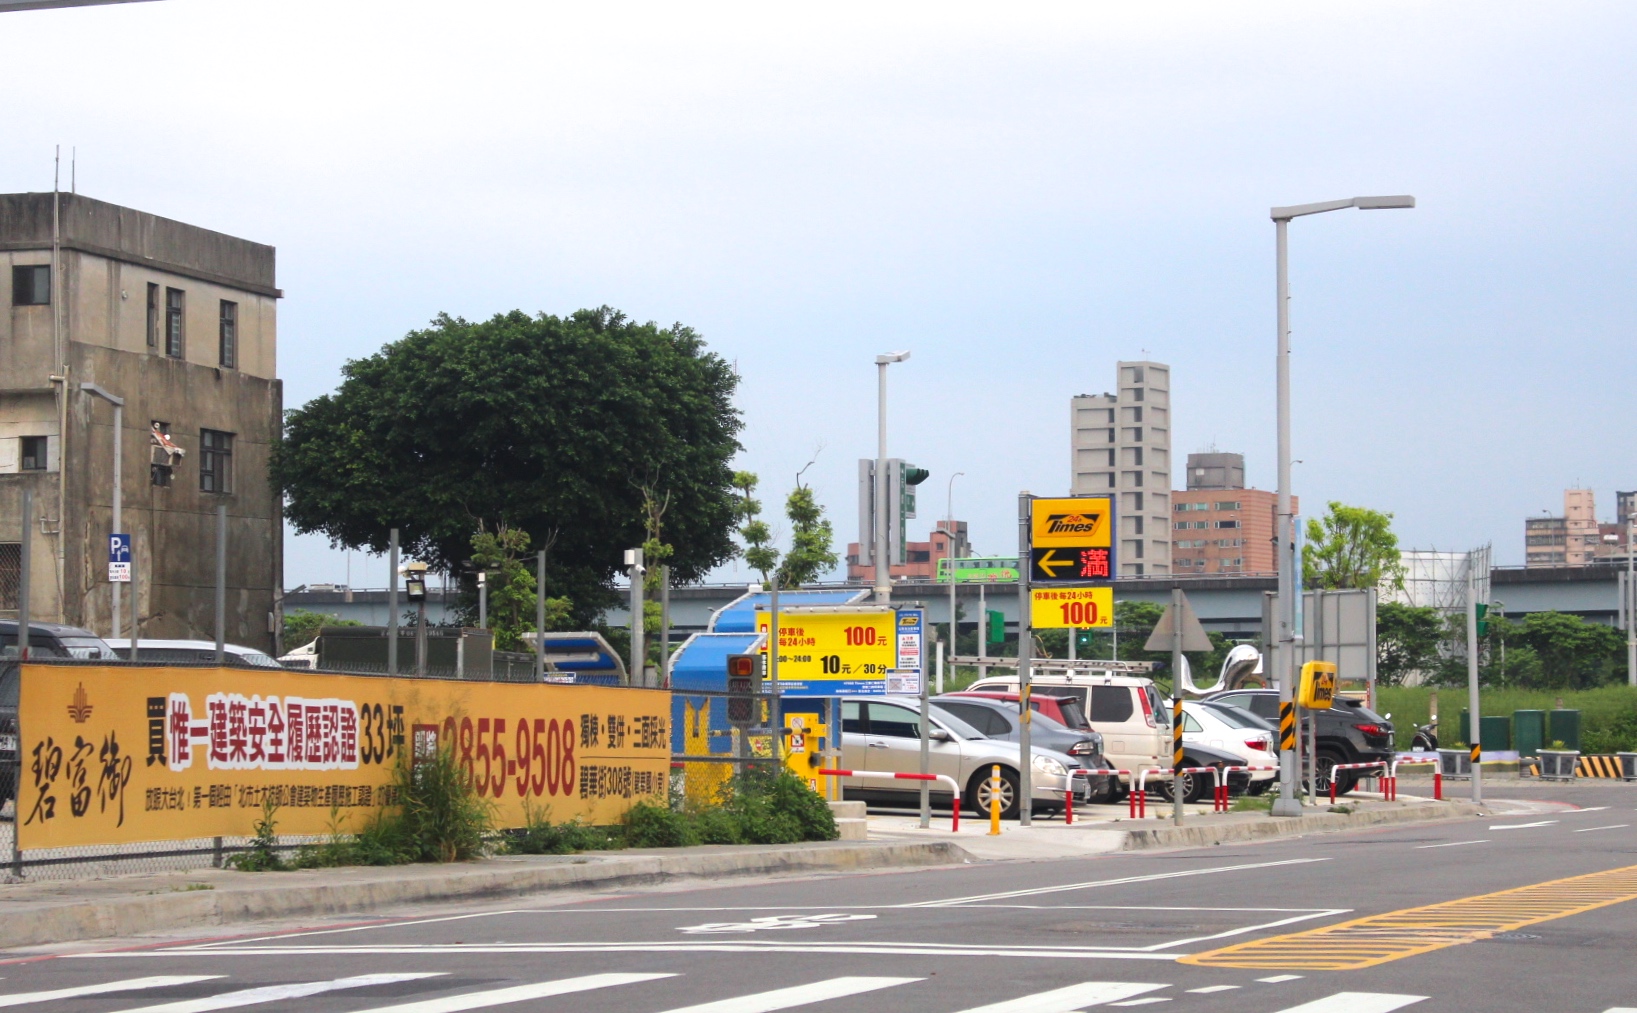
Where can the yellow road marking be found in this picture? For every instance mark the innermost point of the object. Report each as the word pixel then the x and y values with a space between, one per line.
pixel 1377 939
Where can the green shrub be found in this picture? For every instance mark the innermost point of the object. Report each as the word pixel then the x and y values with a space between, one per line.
pixel 263 855
pixel 654 826
pixel 539 836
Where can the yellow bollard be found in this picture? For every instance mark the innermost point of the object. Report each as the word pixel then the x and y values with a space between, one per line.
pixel 994 800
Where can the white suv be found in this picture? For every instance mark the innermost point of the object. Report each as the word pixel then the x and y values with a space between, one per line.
pixel 1129 712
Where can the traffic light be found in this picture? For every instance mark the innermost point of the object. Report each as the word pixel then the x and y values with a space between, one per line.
pixel 1483 623
pixel 1082 640
pixel 996 627
pixel 744 677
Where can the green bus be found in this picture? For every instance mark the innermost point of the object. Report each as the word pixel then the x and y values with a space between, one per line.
pixel 979 570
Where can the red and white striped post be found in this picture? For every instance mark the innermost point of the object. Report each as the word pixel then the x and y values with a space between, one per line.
pixel 887 775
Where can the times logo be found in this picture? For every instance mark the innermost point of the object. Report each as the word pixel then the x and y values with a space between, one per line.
pixel 1071 524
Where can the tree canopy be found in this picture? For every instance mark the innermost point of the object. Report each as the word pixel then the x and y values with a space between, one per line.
pixel 1352 547
pixel 560 427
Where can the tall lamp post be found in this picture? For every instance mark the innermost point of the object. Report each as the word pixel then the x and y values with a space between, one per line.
pixel 949 509
pixel 1284 644
pixel 119 429
pixel 883 582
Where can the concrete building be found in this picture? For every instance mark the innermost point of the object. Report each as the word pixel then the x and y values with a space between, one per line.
pixel 1218 525
pixel 947 540
pixel 1577 538
pixel 1121 444
pixel 181 323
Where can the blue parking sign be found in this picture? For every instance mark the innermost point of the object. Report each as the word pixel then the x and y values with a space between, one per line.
pixel 119 558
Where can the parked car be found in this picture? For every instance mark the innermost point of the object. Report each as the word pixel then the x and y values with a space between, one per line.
pixel 1231 730
pixel 193 652
pixel 1348 732
pixel 1196 786
pixel 46 641
pixel 1126 710
pixel 999 719
pixel 1065 710
pixel 53 640
pixel 884 733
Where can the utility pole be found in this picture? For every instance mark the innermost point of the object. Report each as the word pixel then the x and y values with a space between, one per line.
pixel 540 616
pixel 483 599
pixel 639 668
pixel 1025 650
pixel 221 584
pixel 665 626
pixel 1476 724
pixel 25 577
pixel 117 498
pixel 1631 606
pixel 1176 705
pixel 392 603
pixel 883 578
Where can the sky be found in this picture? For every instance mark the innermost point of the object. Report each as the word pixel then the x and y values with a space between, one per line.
pixel 1019 194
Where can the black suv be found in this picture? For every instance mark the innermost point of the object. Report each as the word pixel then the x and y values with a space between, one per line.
pixel 1349 732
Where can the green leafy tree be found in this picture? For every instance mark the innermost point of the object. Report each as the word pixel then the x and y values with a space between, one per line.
pixel 1351 547
pixel 812 553
pixel 513 598
pixel 1573 653
pixel 302 627
pixel 759 552
pixel 538 423
pixel 1407 641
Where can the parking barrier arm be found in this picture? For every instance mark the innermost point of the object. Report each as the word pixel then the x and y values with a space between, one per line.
pixel 1374 764
pixel 887 775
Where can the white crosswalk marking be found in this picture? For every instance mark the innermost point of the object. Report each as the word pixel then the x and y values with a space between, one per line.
pixel 516 993
pixel 127 985
pixel 799 995
pixel 1067 1000
pixel 273 993
pixel 1356 1002
pixel 1213 988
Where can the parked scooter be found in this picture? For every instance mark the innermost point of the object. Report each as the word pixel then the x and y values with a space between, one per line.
pixel 1425 739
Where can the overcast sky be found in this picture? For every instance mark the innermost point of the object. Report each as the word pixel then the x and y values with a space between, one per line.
pixel 1021 196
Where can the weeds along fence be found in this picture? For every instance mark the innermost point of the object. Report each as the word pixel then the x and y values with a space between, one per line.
pixel 88 770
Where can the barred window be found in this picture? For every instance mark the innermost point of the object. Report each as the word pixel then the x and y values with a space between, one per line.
pixel 174 337
pixel 215 461
pixel 229 335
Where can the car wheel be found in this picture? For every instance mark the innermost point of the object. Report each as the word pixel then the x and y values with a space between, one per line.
pixel 1325 762
pixel 1108 794
pixel 1194 787
pixel 978 794
pixel 1258 787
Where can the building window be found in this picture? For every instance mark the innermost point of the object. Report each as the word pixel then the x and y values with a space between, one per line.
pixel 1136 394
pixel 1228 505
pixel 1136 524
pixel 228 344
pixel 11 573
pixel 174 336
pixel 215 461
pixel 1111 436
pixel 1227 524
pixel 918 556
pixel 35 449
pixel 31 285
pixel 153 315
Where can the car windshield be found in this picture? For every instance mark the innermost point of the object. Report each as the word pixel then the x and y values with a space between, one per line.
pixel 955 724
pixel 91 648
pixel 1235 717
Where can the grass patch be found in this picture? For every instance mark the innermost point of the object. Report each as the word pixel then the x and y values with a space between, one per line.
pixel 1254 803
pixel 1608 714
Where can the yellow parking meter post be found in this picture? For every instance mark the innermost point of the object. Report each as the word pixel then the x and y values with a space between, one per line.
pixel 994 800
pixel 803 736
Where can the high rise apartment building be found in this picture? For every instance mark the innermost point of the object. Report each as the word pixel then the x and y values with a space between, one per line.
pixel 1121 445
pixel 1576 538
pixel 180 322
pixel 1218 525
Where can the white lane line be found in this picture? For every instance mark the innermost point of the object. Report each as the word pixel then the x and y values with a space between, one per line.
pixel 1213 988
pixel 1070 998
pixel 516 993
pixel 127 985
pixel 1590 809
pixel 1522 826
pixel 274 993
pixel 1142 1002
pixel 1356 1002
pixel 1451 844
pixel 1611 826
pixel 661 946
pixel 1276 979
pixel 1248 928
pixel 797 995
pixel 1621 1009
pixel 1008 894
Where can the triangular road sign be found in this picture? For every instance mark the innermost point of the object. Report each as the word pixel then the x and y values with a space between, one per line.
pixel 1193 634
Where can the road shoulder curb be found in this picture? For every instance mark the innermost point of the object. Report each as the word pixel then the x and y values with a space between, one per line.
pixel 1272 828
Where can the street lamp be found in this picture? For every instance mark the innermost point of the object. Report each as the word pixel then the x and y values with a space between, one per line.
pixel 883 582
pixel 119 429
pixel 414 574
pixel 949 510
pixel 1284 666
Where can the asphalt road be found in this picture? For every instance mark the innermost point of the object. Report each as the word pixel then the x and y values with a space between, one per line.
pixel 1029 937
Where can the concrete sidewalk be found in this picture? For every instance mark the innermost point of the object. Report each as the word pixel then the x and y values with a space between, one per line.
pixel 1100 830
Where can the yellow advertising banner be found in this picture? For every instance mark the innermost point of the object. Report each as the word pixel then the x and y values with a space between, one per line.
pixel 1072 608
pixel 116 755
pixel 1072 521
pixel 854 651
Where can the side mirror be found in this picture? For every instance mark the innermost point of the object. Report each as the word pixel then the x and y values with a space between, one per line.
pixel 940 735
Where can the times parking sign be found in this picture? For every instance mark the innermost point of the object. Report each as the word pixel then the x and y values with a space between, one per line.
pixel 119 558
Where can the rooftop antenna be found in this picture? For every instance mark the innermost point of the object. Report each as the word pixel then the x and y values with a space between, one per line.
pixel 73 167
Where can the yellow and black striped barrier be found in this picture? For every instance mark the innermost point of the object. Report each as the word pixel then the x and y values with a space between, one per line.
pixel 1287 727
pixel 1599 765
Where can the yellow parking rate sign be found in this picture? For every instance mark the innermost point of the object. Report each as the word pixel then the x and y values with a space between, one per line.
pixel 1071 540
pixel 1071 608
